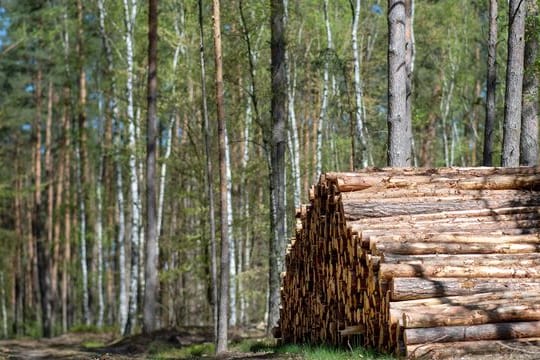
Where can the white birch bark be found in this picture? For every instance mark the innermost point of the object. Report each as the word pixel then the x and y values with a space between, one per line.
pixel 120 237
pixel 324 102
pixel 358 111
pixel 99 233
pixel 3 305
pixel 168 146
pixel 82 234
pixel 232 242
pixel 130 11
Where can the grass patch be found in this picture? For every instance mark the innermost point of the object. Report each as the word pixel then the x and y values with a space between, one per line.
pixel 160 350
pixel 93 344
pixel 307 352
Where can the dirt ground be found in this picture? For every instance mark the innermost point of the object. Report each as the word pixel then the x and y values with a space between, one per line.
pixel 78 346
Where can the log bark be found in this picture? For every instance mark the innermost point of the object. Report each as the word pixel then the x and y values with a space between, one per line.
pixel 500 331
pixel 389 271
pixel 458 349
pixel 410 288
pixel 421 248
pixel 474 314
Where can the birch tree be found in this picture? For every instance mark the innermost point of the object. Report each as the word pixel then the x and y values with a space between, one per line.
pixel 357 84
pixel 399 126
pixel 514 81
pixel 324 100
pixel 130 13
pixel 150 313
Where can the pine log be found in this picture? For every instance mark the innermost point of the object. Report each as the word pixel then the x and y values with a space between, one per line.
pixel 454 238
pixel 499 331
pixel 421 248
pixel 525 346
pixel 410 288
pixel 361 181
pixel 359 209
pixel 463 259
pixel 389 271
pixel 481 298
pixel 473 314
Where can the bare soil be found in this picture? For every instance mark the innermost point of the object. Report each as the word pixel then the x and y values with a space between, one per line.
pixel 77 346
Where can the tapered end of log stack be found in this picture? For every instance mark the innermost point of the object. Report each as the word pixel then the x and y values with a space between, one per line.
pixel 417 261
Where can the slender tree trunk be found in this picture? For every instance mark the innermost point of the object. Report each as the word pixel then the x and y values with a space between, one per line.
pixel 279 142
pixel 208 177
pixel 82 160
pixel 324 100
pixel 514 80
pixel 49 175
pixel 3 306
pixel 151 290
pixel 37 222
pixel 357 84
pixel 409 57
pixel 529 116
pixel 224 286
pixel 130 12
pixel 399 126
pixel 491 84
pixel 66 256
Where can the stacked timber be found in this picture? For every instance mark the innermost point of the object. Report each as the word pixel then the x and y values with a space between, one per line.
pixel 417 262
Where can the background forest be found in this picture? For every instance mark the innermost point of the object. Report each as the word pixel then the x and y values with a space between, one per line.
pixel 73 141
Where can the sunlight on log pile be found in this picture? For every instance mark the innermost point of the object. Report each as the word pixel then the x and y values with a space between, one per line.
pixel 417 262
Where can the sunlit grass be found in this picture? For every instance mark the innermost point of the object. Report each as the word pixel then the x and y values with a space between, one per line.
pixel 160 350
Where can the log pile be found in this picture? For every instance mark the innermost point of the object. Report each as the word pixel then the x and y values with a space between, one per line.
pixel 415 262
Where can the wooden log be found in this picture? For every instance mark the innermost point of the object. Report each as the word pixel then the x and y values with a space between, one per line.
pixel 472 314
pixel 393 179
pixel 499 331
pixel 454 238
pixel 463 259
pixel 452 248
pixel 359 209
pixel 525 346
pixel 410 288
pixel 481 298
pixel 389 271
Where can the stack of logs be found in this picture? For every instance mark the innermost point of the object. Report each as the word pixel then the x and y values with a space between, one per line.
pixel 417 262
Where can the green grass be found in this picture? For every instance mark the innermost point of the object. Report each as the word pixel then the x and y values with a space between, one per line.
pixel 307 352
pixel 163 351
pixel 93 344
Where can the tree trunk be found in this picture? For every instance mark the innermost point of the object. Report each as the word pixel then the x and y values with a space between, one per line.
pixel 529 116
pixel 324 102
pixel 130 12
pixel 151 290
pixel 277 163
pixel 514 78
pixel 208 177
pixel 225 265
pixel 399 126
pixel 358 89
pixel 491 84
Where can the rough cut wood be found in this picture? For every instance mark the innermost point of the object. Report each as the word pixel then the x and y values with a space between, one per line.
pixel 410 288
pixel 526 346
pixel 501 331
pixel 402 260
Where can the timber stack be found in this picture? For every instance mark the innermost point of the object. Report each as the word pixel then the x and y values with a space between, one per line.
pixel 421 263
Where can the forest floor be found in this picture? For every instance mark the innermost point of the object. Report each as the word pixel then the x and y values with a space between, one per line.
pixel 193 343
